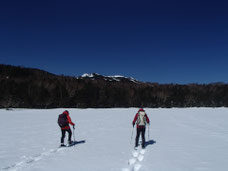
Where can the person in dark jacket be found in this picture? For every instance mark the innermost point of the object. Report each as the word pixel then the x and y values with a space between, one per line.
pixel 67 129
pixel 141 119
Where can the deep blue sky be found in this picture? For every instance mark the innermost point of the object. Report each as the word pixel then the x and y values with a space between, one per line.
pixel 165 41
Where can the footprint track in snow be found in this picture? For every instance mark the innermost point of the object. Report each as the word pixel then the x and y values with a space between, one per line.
pixel 29 160
pixel 134 163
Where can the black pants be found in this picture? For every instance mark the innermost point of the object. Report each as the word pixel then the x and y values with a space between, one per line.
pixel 142 132
pixel 64 133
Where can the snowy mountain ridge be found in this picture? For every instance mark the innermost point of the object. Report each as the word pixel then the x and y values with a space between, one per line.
pixel 33 88
pixel 94 76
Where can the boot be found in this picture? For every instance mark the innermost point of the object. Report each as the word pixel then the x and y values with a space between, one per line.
pixel 62 145
pixel 143 144
pixel 70 142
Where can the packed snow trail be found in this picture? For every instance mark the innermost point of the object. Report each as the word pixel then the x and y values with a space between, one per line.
pixel 137 156
pixel 135 162
pixel 29 160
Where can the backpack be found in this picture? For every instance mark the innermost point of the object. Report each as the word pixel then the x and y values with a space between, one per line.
pixel 62 120
pixel 141 120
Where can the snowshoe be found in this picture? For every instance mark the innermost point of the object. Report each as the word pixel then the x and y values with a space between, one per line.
pixel 136 147
pixel 62 145
pixel 70 142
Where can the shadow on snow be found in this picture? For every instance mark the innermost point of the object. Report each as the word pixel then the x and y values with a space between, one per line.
pixel 77 142
pixel 150 142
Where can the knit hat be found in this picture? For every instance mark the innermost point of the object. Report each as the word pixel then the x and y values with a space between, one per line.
pixel 141 110
pixel 66 112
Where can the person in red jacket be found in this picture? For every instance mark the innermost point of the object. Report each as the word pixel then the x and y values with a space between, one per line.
pixel 141 119
pixel 67 128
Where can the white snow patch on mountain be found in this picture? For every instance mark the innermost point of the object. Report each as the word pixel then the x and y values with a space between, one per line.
pixel 116 76
pixel 108 78
pixel 87 75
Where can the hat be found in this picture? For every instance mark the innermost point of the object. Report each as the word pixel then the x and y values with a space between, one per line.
pixel 66 112
pixel 141 109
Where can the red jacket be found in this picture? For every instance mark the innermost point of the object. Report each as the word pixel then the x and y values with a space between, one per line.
pixel 69 121
pixel 136 117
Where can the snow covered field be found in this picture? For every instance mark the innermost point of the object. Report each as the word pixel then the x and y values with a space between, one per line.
pixel 179 140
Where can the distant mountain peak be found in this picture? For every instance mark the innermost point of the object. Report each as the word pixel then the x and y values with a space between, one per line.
pixel 119 78
pixel 89 75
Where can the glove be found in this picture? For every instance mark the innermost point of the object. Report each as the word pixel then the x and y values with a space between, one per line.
pixel 133 125
pixel 73 127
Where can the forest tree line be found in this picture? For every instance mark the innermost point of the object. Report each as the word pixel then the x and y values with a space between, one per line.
pixel 33 88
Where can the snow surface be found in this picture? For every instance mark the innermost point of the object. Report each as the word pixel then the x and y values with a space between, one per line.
pixel 178 140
